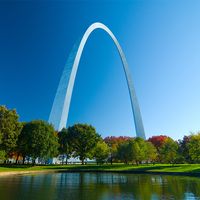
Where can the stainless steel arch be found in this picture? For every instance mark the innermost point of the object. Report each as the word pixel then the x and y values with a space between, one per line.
pixel 60 109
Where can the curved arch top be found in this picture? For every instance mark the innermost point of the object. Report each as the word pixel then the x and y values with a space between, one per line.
pixel 60 109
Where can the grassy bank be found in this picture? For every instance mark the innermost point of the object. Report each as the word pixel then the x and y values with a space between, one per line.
pixel 181 169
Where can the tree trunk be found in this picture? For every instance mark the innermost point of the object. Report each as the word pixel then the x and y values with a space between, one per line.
pixel 17 158
pixel 82 162
pixel 33 162
pixel 62 159
pixel 23 160
pixel 111 160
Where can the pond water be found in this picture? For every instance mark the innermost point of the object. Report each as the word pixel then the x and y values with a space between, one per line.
pixel 98 186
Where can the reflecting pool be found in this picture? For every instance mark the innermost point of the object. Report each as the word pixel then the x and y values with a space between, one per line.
pixel 98 186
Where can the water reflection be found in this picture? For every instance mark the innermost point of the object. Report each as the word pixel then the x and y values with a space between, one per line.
pixel 98 186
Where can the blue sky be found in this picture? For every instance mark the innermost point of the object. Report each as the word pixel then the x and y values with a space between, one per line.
pixel 161 40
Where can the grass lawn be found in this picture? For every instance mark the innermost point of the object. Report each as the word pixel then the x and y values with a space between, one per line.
pixel 157 168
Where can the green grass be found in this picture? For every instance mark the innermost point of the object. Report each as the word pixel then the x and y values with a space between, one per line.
pixel 158 168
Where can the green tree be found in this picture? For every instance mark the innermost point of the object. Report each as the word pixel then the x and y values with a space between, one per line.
pixel 39 139
pixel 123 152
pixel 135 150
pixel 183 150
pixel 158 141
pixel 113 144
pixel 101 152
pixel 151 152
pixel 194 147
pixel 65 147
pixel 138 150
pixel 2 155
pixel 169 151
pixel 10 129
pixel 22 148
pixel 83 140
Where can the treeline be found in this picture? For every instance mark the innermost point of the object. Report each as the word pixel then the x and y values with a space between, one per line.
pixel 27 141
pixel 157 149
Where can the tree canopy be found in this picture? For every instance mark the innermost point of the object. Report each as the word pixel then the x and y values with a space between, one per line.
pixel 83 139
pixel 169 151
pixel 10 129
pixel 65 147
pixel 194 147
pixel 101 152
pixel 113 143
pixel 39 139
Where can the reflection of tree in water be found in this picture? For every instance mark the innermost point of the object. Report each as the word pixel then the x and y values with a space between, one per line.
pixel 161 187
pixel 129 186
pixel 179 187
pixel 87 185
pixel 27 187
pixel 193 186
pixel 98 186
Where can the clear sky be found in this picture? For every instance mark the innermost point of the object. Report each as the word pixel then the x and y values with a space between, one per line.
pixel 161 40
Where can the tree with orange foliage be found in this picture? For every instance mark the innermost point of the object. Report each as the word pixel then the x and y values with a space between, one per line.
pixel 113 143
pixel 158 141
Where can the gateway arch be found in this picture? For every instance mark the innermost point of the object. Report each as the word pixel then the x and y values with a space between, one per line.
pixel 60 109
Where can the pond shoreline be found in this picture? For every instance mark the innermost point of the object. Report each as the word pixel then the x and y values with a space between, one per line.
pixel 47 171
